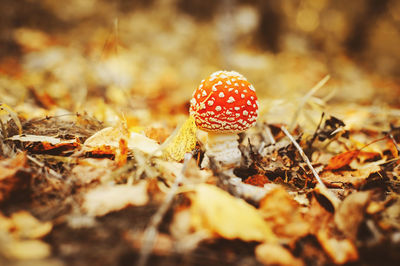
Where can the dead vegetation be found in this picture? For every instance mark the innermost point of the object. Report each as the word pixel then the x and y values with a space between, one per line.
pixel 100 163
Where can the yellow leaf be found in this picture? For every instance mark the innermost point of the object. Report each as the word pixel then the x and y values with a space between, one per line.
pixel 27 250
pixel 182 141
pixel 215 210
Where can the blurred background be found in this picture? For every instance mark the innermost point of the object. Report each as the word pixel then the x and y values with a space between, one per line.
pixel 145 57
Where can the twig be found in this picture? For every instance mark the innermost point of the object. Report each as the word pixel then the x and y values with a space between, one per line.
pixel 150 233
pixel 304 156
pixel 305 99
pixel 332 197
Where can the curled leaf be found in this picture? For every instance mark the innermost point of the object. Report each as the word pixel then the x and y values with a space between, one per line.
pixel 182 141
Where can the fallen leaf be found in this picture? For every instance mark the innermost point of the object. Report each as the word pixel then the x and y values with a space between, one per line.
pixel 41 144
pixel 355 178
pixel 342 160
pixel 283 214
pixel 275 254
pixel 7 113
pixel 351 213
pixel 107 142
pixel 391 216
pixel 216 211
pixel 27 250
pixel 12 175
pixel 93 169
pixel 26 226
pixel 182 141
pixel 21 232
pixel 105 199
pixel 341 251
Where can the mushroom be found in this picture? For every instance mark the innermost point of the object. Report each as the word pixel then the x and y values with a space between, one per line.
pixel 224 105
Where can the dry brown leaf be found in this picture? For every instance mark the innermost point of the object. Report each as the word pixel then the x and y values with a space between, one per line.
pixel 275 254
pixel 341 160
pixel 283 214
pixel 341 251
pixel 391 216
pixel 355 178
pixel 89 169
pixel 216 211
pixel 351 213
pixel 105 199
pixel 40 144
pixel 11 177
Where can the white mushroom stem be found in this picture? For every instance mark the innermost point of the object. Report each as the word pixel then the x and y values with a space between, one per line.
pixel 223 147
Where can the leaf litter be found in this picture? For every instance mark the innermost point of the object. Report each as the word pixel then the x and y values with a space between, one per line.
pixel 96 166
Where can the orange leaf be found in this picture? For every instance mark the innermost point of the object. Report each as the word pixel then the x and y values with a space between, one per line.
pixel 341 160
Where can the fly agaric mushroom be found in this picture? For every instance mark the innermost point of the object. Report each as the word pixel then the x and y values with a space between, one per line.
pixel 223 105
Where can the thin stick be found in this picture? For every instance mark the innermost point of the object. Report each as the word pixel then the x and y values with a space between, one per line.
pixel 150 234
pixel 304 156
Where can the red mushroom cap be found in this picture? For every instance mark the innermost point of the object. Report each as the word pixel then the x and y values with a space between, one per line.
pixel 224 102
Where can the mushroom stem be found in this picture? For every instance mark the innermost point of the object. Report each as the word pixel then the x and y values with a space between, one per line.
pixel 223 147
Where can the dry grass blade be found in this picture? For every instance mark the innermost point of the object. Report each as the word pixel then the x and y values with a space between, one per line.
pixel 306 97
pixel 150 233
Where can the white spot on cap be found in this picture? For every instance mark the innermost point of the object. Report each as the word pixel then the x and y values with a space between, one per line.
pixel 251 97
pixel 248 102
pixel 198 96
pixel 252 88
pixel 230 89
pixel 219 82
pixel 193 101
pixel 245 91
pixel 245 113
pixel 237 84
pixel 236 91
pixel 204 93
pixel 221 95
pixel 242 95
pixel 254 105
pixel 201 86
pixel 233 80
pixel 214 88
pixel 210 103
pixel 230 100
pixel 228 112
pixel 237 108
pixel 228 82
pixel 218 108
